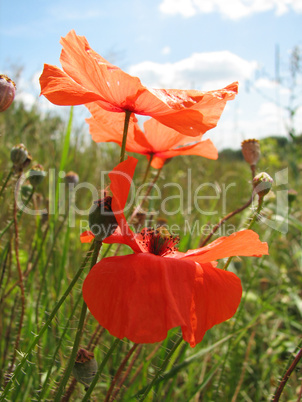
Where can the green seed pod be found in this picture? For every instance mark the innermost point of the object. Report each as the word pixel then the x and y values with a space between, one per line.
pixel 102 221
pixel 262 184
pixel 18 154
pixel 71 178
pixel 36 175
pixel 85 367
pixel 7 92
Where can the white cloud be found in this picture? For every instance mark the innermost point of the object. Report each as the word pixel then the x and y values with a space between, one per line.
pixel 202 71
pixel 232 9
pixel 253 114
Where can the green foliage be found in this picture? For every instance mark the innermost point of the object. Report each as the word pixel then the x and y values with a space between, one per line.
pixel 242 359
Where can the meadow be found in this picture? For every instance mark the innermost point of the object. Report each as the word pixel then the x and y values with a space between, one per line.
pixel 242 359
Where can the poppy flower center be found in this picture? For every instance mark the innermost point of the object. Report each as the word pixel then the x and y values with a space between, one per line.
pixel 159 241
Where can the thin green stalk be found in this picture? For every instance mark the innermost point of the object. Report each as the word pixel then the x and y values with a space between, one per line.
pixel 161 369
pixel 287 375
pixel 44 387
pixel 148 168
pixel 63 161
pixel 119 372
pixel 45 326
pixel 21 283
pixel 11 172
pixel 100 370
pixel 151 185
pixel 125 133
pixel 260 203
pixel 18 215
pixel 97 246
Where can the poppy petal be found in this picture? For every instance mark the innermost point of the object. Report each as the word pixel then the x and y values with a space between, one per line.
pixel 194 112
pixel 163 138
pixel 61 90
pixel 118 238
pixel 86 237
pixel 203 148
pixel 244 243
pixel 142 296
pixel 215 299
pixel 121 181
pixel 107 126
pixel 120 90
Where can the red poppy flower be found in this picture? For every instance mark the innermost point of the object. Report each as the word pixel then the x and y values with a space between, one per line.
pixel 159 141
pixel 88 77
pixel 143 295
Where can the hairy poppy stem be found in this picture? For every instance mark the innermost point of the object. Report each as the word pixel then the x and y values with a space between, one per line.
pixel 160 370
pixel 97 246
pixel 11 172
pixel 151 185
pixel 18 215
pixel 225 218
pixel 21 281
pixel 119 372
pixel 126 125
pixel 256 214
pixel 287 375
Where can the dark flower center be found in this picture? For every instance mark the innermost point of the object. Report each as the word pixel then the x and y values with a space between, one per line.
pixel 159 241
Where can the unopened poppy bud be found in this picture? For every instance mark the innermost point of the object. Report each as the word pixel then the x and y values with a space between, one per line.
pixel 7 92
pixel 18 154
pixel 85 367
pixel 102 221
pixel 71 178
pixel 262 184
pixel 251 151
pixel 36 175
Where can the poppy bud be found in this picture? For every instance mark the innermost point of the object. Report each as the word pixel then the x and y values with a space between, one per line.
pixel 7 92
pixel 251 151
pixel 85 367
pixel 71 178
pixel 36 175
pixel 102 221
pixel 262 184
pixel 18 154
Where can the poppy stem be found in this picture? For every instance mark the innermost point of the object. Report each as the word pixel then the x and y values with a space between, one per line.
pixel 124 141
pixel 151 185
pixel 287 375
pixel 7 180
pixel 38 336
pixel 148 168
pixel 97 246
pixel 119 372
pixel 253 220
pixel 160 370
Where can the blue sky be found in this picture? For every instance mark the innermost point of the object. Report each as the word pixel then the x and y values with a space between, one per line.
pixel 200 44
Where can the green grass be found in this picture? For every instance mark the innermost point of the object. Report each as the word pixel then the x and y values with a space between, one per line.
pixel 242 359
